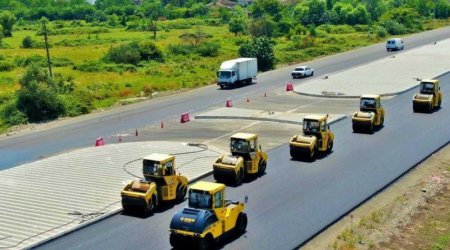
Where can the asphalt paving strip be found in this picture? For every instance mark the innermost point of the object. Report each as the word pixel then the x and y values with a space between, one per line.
pixel 301 199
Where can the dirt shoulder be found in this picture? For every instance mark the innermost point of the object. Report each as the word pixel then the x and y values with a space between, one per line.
pixel 414 213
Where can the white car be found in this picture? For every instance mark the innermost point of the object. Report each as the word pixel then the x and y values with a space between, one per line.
pixel 302 71
pixel 395 44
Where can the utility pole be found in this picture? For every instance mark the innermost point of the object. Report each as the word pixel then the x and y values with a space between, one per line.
pixel 46 48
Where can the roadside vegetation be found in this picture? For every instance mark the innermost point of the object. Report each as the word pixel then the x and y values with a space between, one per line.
pixel 117 49
pixel 411 214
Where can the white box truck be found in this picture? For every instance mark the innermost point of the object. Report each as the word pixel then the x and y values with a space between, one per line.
pixel 237 71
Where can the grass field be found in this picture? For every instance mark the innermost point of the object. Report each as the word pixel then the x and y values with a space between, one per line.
pixel 80 44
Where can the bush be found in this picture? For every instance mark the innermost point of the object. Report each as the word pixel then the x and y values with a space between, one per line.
pixel 6 65
pixel 80 102
pixel 89 66
pixel 179 49
pixel 42 61
pixel 133 53
pixel 38 98
pixel 394 27
pixel 381 32
pixel 34 59
pixel 61 62
pixel 208 49
pixel 40 104
pixel 12 115
pixel 337 29
pixel 149 51
pixel 27 42
pixel 124 53
pixel 203 49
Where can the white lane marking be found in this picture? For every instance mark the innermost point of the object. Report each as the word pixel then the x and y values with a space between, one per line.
pixel 254 123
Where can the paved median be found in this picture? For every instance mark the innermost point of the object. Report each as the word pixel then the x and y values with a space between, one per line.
pixel 47 198
pixel 395 74
pixel 289 117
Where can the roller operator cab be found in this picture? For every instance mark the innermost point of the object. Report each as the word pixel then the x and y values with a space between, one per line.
pixel 161 183
pixel 316 137
pixel 207 219
pixel 246 159
pixel 429 98
pixel 370 115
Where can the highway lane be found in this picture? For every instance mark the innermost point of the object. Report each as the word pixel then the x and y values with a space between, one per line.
pixel 82 131
pixel 295 200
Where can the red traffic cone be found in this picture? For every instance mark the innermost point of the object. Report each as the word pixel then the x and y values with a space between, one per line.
pixel 99 142
pixel 289 87
pixel 185 117
pixel 229 104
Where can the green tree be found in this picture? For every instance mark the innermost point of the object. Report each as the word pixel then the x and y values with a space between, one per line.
pixel 7 20
pixel 272 8
pixel 301 13
pixel 405 16
pixel 123 20
pixel 1 36
pixel 12 115
pixel 263 26
pixel 375 8
pixel 37 98
pixel 317 10
pixel 358 15
pixel 442 9
pixel 27 42
pixel 330 4
pixel 262 49
pixel 113 20
pixel 238 22
pixel 342 12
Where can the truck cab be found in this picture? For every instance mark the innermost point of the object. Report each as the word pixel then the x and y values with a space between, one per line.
pixel 227 76
pixel 207 219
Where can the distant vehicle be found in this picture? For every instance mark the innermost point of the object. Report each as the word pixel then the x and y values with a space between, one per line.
pixel 236 72
pixel 395 44
pixel 302 71
pixel 429 97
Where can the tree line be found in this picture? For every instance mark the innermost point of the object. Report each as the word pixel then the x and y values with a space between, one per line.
pixel 282 13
